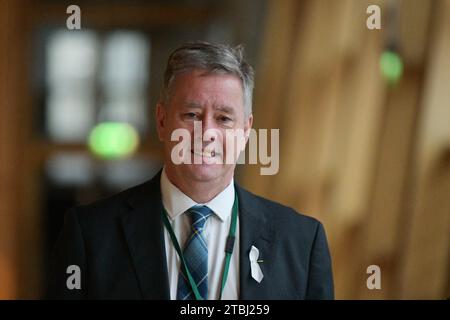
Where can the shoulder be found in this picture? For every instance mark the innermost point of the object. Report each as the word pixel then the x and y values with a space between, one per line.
pixel 111 207
pixel 281 216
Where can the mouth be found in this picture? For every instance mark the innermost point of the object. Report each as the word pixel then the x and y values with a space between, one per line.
pixel 205 153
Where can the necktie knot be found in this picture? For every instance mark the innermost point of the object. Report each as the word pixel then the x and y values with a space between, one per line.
pixel 199 214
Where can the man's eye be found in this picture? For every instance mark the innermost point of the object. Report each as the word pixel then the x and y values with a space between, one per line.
pixel 224 119
pixel 190 115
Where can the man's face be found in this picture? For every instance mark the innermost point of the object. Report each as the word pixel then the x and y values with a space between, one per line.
pixel 216 102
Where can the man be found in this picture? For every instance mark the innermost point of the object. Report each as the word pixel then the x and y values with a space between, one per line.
pixel 191 232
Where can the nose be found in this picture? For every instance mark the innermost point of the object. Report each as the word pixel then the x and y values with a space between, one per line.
pixel 209 128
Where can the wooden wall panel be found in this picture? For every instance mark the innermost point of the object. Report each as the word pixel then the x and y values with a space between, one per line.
pixel 349 144
pixel 425 271
pixel 11 144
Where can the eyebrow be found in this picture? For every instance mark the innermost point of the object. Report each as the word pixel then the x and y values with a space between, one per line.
pixel 192 104
pixel 223 108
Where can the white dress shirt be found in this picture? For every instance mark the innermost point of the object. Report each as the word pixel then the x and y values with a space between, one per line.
pixel 216 232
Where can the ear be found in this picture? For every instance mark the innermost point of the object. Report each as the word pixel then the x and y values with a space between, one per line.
pixel 160 116
pixel 247 126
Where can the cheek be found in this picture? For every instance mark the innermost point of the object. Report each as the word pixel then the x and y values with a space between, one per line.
pixel 177 133
pixel 172 124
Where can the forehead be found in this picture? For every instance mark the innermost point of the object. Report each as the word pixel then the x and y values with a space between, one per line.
pixel 200 87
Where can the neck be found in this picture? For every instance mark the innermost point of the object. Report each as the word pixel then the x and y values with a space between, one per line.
pixel 199 191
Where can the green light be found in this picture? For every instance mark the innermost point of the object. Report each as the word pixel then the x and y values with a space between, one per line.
pixel 112 140
pixel 391 67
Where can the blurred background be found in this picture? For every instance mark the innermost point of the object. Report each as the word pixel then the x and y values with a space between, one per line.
pixel 364 119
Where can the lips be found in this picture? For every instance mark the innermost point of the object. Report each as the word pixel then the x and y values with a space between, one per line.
pixel 205 153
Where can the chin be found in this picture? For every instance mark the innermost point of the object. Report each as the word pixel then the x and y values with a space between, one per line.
pixel 204 172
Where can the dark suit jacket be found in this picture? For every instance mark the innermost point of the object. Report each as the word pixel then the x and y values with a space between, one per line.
pixel 118 243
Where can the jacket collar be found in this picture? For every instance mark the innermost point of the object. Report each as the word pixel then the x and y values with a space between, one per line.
pixel 256 229
pixel 144 234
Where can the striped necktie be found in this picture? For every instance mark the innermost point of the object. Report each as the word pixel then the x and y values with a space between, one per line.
pixel 196 256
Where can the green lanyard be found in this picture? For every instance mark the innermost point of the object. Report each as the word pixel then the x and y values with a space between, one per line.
pixel 228 249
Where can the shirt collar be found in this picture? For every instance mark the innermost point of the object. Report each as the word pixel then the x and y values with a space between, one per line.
pixel 176 202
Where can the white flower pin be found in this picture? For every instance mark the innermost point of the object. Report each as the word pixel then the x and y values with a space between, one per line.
pixel 254 266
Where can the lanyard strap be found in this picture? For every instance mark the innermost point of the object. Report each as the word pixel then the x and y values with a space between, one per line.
pixel 228 249
pixel 230 243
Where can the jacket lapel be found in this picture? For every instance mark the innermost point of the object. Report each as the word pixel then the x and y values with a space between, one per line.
pixel 144 234
pixel 255 230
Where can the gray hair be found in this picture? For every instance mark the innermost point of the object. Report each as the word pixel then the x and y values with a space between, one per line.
pixel 213 58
